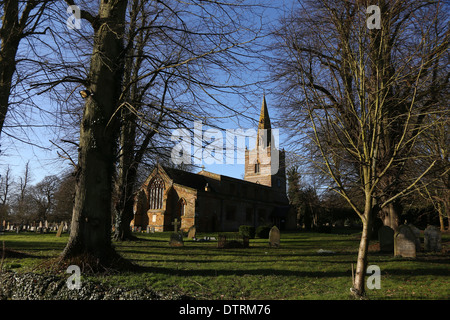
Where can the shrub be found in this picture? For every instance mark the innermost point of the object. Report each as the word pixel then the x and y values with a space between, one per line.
pixel 247 231
pixel 263 232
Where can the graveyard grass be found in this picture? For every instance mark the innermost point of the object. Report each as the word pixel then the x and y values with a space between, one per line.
pixel 293 271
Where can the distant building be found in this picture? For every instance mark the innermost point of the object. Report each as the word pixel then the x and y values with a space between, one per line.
pixel 214 202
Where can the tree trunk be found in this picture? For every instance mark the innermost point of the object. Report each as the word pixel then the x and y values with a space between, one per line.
pixel 441 216
pixel 359 281
pixel 10 38
pixel 390 215
pixel 91 219
pixel 126 181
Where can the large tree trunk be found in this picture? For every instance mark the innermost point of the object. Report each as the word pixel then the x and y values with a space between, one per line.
pixel 91 220
pixel 126 180
pixel 10 38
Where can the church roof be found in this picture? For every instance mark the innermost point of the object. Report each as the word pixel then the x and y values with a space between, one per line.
pixel 186 178
pixel 199 180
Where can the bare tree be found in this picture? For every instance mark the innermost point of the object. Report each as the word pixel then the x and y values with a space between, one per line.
pixel 361 96
pixel 172 52
pixel 43 194
pixel 20 19
pixel 5 193
pixel 435 187
pixel 64 198
pixel 171 42
pixel 91 221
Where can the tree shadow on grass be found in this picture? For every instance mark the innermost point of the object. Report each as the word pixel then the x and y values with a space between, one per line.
pixel 240 272
pixel 286 273
pixel 9 253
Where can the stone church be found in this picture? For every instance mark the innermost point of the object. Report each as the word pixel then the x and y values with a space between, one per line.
pixel 214 202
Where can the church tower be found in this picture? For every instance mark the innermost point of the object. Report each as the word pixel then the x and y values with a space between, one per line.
pixel 265 164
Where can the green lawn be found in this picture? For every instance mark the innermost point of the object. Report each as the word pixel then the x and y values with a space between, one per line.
pixel 294 271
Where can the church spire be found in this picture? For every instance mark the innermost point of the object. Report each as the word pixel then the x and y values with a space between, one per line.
pixel 264 128
pixel 264 120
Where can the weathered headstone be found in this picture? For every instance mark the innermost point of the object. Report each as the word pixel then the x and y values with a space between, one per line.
pixel 274 237
pixel 176 240
pixel 416 232
pixel 60 229
pixel 386 238
pixel 192 232
pixel 432 239
pixel 231 240
pixel 405 242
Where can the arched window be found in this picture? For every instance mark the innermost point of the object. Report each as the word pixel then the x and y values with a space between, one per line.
pixel 156 193
pixel 182 207
pixel 257 167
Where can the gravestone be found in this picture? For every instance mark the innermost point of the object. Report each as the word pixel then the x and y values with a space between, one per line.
pixel 231 240
pixel 416 232
pixel 192 232
pixel 176 240
pixel 405 242
pixel 274 237
pixel 386 238
pixel 432 239
pixel 60 230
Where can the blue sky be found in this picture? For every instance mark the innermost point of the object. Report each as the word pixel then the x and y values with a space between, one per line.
pixel 43 157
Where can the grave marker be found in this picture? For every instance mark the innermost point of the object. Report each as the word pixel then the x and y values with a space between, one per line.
pixel 175 224
pixel 192 232
pixel 432 239
pixel 386 238
pixel 405 242
pixel 416 232
pixel 274 237
pixel 176 240
pixel 60 229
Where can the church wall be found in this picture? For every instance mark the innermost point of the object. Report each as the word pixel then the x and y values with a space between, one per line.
pixel 188 218
pixel 208 211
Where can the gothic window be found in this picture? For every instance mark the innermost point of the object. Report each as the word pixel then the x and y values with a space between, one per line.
pixel 182 206
pixel 257 167
pixel 156 193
